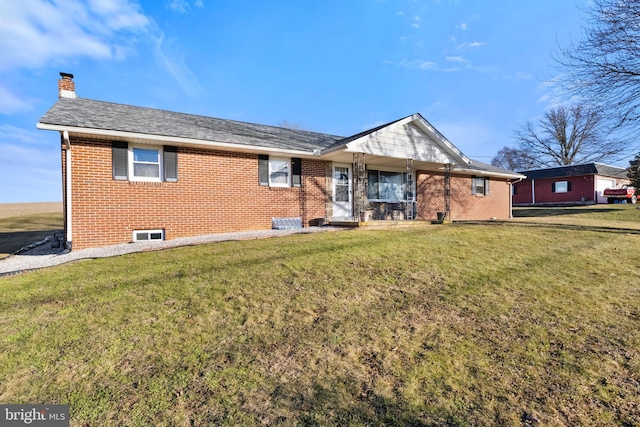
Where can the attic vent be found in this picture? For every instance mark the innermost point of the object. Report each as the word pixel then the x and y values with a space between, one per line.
pixel 147 235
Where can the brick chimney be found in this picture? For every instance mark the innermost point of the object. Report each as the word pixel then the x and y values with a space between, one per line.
pixel 66 86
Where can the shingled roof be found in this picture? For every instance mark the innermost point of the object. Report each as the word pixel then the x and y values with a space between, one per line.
pixel 87 114
pixel 576 170
pixel 90 114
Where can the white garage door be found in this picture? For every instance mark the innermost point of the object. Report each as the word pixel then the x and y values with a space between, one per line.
pixel 601 185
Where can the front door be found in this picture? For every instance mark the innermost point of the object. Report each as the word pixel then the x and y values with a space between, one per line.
pixel 342 201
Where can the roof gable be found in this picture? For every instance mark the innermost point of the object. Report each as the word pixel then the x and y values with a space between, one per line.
pixel 411 137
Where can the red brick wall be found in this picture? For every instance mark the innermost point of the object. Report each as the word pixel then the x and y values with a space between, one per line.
pixel 523 192
pixel 216 192
pixel 581 186
pixel 464 205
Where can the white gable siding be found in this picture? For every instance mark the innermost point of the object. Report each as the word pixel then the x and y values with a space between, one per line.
pixel 402 141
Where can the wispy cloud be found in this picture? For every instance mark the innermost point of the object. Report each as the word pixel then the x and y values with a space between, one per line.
pixel 179 6
pixel 12 103
pixel 183 6
pixel 40 33
pixel 36 32
pixel 472 45
pixel 173 60
pixel 372 125
pixel 554 94
pixel 29 174
pixel 456 59
pixel 462 26
pixel 416 22
pixel 519 75
pixel 420 64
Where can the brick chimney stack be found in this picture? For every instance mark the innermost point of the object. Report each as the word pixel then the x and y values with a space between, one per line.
pixel 66 86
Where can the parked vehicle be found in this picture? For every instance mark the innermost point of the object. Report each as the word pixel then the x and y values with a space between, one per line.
pixel 620 194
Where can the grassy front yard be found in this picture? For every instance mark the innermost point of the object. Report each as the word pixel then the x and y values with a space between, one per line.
pixel 463 324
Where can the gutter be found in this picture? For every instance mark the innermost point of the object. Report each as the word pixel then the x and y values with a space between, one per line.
pixel 518 176
pixel 511 196
pixel 174 140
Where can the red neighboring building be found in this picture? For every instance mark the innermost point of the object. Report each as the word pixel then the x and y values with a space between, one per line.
pixel 574 184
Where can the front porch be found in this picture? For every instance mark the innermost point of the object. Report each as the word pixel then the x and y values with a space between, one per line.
pixel 379 224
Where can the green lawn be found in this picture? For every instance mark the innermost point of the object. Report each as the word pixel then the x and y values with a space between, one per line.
pixel 461 324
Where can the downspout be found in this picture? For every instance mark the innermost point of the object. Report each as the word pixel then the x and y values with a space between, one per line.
pixel 67 141
pixel 533 192
pixel 511 196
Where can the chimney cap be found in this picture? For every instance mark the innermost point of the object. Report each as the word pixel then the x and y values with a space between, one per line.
pixel 66 75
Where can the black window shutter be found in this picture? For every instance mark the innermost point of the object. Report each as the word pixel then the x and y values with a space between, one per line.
pixel 263 169
pixel 486 186
pixel 569 186
pixel 473 185
pixel 296 171
pixel 119 161
pixel 170 163
pixel 553 187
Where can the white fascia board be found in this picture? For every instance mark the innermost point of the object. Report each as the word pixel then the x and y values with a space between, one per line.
pixel 154 139
pixel 428 128
pixel 487 173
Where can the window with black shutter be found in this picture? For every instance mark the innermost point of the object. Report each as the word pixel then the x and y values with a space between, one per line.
pixel 263 169
pixel 170 163
pixel 296 172
pixel 119 160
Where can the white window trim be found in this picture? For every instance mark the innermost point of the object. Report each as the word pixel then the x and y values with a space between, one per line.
pixel 280 159
pixel 132 176
pixel 566 186
pixel 135 232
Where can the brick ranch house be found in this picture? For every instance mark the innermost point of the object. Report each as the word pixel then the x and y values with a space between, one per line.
pixel 575 184
pixel 131 173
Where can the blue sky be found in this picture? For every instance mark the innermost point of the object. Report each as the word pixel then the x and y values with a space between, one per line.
pixel 477 70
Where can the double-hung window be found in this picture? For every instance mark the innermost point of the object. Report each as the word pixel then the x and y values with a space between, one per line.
pixel 279 171
pixel 480 186
pixel 144 162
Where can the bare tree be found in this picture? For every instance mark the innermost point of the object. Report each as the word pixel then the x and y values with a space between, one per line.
pixel 291 125
pixel 514 159
pixel 604 66
pixel 567 136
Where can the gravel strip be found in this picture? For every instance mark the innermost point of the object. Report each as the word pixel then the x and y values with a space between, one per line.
pixel 44 256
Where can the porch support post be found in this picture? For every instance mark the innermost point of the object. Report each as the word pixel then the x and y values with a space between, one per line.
pixel 447 190
pixel 409 209
pixel 359 186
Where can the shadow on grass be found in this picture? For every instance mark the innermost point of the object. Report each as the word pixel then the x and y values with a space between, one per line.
pixel 599 229
pixel 323 406
pixel 556 211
